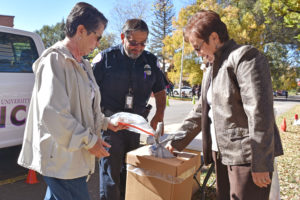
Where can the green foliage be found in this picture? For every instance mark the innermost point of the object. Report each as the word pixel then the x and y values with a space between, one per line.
pixel 52 34
pixel 276 54
pixel 255 22
pixel 288 79
pixel 242 26
pixel 286 16
pixel 108 40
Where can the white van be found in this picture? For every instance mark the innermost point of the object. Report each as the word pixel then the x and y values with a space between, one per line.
pixel 18 50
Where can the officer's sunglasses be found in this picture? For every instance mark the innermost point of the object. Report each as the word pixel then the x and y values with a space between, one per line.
pixel 98 36
pixel 134 43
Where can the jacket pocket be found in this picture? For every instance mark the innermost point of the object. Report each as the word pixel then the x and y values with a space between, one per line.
pixel 240 145
pixel 47 143
pixel 52 150
pixel 238 133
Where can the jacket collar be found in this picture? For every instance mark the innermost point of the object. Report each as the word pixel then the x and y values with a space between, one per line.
pixel 224 49
pixel 60 48
pixel 121 47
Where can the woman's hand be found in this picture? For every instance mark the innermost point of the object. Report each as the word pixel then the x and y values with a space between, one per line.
pixel 117 127
pixel 169 147
pixel 98 149
pixel 261 179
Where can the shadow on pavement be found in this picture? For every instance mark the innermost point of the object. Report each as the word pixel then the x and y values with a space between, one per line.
pixel 290 98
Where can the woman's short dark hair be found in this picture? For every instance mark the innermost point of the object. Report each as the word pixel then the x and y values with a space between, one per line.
pixel 132 25
pixel 203 23
pixel 84 14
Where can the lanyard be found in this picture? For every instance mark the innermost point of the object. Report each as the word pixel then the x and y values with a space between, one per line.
pixel 130 90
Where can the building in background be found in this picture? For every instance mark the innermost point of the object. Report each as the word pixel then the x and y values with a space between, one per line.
pixel 6 20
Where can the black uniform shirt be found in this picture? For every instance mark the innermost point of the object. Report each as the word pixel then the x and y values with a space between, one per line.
pixel 113 73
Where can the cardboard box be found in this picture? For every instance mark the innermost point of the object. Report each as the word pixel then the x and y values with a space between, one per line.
pixel 151 178
pixel 195 187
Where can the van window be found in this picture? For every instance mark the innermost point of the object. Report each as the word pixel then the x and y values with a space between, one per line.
pixel 17 53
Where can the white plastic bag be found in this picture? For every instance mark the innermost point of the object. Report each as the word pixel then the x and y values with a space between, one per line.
pixel 138 124
pixel 135 123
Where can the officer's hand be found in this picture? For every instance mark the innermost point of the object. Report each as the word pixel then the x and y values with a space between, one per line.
pixel 117 127
pixel 154 123
pixel 261 179
pixel 98 149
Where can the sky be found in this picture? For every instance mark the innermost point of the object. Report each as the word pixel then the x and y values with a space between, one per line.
pixel 31 15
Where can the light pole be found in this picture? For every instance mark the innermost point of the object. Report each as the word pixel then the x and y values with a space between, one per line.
pixel 180 80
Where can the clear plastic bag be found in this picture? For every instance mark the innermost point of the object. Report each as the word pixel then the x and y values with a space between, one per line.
pixel 138 124
pixel 135 123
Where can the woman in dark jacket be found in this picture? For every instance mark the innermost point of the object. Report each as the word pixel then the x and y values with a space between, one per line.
pixel 234 113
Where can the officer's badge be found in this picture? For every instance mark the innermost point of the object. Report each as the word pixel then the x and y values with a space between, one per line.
pixel 147 70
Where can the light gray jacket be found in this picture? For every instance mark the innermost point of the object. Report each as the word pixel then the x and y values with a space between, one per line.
pixel 242 103
pixel 62 122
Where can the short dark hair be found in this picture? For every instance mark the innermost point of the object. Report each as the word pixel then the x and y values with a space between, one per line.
pixel 132 25
pixel 84 14
pixel 203 23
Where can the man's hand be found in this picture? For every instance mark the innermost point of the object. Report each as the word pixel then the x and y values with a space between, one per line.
pixel 154 123
pixel 98 149
pixel 117 127
pixel 160 99
pixel 261 179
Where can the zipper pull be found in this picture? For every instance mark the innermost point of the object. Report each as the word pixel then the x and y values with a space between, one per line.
pixel 88 176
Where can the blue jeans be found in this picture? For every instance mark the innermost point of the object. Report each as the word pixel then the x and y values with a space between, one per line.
pixel 66 189
pixel 113 168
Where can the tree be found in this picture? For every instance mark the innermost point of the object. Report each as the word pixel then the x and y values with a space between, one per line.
pixel 289 79
pixel 161 27
pixel 276 54
pixel 52 34
pixel 280 37
pixel 108 40
pixel 242 26
pixel 287 13
pixel 126 9
pixel 255 22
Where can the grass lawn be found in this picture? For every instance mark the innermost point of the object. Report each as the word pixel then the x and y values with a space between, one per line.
pixel 181 98
pixel 288 164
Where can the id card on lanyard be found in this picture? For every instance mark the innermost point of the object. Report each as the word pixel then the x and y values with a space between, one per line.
pixel 129 99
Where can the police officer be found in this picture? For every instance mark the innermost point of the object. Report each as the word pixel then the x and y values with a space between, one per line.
pixel 126 75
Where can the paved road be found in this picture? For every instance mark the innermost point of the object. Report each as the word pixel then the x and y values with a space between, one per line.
pixel 18 189
pixel 178 110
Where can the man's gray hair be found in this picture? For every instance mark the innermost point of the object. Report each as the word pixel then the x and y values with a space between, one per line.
pixel 132 25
